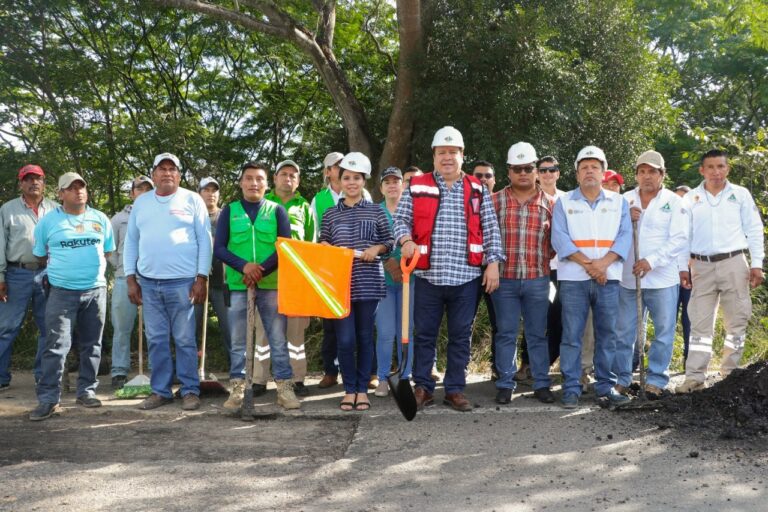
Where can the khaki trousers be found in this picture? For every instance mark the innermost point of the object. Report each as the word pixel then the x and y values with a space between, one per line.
pixel 724 283
pixel 295 335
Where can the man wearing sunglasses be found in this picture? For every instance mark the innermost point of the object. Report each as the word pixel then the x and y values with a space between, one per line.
pixel 592 234
pixel 524 212
pixel 483 171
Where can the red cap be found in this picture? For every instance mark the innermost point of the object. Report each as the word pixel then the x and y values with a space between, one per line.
pixel 30 169
pixel 613 175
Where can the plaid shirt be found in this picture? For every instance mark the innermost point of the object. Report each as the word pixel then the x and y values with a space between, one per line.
pixel 449 265
pixel 525 234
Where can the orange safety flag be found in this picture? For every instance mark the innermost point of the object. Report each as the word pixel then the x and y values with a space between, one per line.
pixel 313 279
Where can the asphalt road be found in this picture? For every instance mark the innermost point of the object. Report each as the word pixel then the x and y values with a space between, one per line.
pixel 521 457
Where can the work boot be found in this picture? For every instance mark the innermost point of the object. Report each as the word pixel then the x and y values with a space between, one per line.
pixel 328 381
pixel 285 395
pixel 236 391
pixel 688 386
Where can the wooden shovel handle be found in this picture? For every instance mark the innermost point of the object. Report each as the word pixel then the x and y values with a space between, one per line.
pixel 407 268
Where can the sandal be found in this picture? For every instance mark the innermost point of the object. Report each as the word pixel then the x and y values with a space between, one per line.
pixel 347 406
pixel 362 406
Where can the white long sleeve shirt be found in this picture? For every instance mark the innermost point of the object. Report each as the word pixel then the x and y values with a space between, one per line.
pixel 724 223
pixel 169 237
pixel 662 237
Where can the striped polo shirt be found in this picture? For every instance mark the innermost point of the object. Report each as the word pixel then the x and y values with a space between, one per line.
pixel 359 227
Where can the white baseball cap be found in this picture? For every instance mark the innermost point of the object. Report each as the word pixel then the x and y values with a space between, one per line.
pixel 208 180
pixel 167 156
pixel 591 152
pixel 332 158
pixel 68 178
pixel 448 136
pixel 356 162
pixel 652 158
pixel 289 163
pixel 521 153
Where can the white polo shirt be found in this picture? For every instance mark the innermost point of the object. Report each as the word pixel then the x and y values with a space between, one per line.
pixel 724 223
pixel 662 233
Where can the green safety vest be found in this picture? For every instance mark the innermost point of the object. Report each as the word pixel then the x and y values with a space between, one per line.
pixel 254 242
pixel 302 224
pixel 323 201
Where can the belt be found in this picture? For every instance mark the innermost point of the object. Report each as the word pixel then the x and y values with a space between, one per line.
pixel 719 257
pixel 27 266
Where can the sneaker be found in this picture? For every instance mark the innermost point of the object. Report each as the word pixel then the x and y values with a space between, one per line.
pixel 688 386
pixel 435 376
pixel 615 398
pixel 570 401
pixel 118 382
pixel 90 402
pixel 299 389
pixel 544 395
pixel 586 381
pixel 373 383
pixel 504 396
pixel 44 411
pixel 258 389
pixel 190 402
pixel 382 389
pixel 154 401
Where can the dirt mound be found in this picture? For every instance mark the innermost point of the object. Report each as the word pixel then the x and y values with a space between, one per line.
pixel 734 408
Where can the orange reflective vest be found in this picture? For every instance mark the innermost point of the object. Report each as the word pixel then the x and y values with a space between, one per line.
pixel 426 202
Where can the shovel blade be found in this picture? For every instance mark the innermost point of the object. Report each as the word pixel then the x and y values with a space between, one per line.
pixel 402 392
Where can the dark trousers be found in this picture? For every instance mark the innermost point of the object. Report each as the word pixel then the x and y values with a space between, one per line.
pixel 682 301
pixel 459 304
pixel 329 350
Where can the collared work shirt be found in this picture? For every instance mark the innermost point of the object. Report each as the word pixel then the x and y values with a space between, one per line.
pixel 725 223
pixel 449 265
pixel 662 238
pixel 119 228
pixel 17 223
pixel 525 234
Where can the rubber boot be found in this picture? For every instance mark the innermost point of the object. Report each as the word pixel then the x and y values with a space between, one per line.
pixel 285 395
pixel 235 400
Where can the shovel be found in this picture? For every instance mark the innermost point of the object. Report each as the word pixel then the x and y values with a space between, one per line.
pixel 247 412
pixel 401 388
pixel 208 386
pixel 640 323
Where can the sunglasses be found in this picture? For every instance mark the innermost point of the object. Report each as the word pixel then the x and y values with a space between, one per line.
pixel 549 169
pixel 517 170
pixel 480 175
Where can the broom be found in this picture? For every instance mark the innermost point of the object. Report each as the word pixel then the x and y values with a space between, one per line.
pixel 137 387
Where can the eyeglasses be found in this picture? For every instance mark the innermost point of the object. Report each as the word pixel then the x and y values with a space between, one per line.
pixel 549 169
pixel 528 169
pixel 480 175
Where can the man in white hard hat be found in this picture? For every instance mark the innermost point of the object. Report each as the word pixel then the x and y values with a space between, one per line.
pixel 524 213
pixel 662 227
pixel 725 227
pixel 592 234
pixel 447 216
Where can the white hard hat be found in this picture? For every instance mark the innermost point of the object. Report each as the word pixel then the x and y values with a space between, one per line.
pixel 592 152
pixel 448 136
pixel 356 162
pixel 521 153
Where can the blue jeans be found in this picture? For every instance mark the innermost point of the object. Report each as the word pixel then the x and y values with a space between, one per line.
pixel 21 290
pixel 168 312
pixel 71 313
pixel 354 338
pixel 123 319
pixel 662 305
pixel 274 326
pixel 529 297
pixel 577 297
pixel 459 304
pixel 389 318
